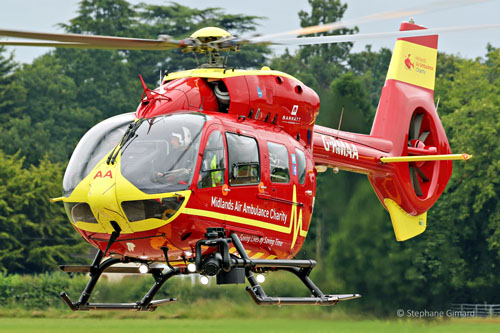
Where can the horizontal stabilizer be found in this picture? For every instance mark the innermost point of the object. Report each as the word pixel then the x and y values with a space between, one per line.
pixel 425 158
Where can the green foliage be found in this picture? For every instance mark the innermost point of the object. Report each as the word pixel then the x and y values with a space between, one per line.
pixel 350 92
pixel 324 12
pixel 368 260
pixel 42 291
pixel 469 211
pixel 103 17
pixel 371 67
pixel 51 121
pixel 12 94
pixel 318 65
pixel 35 234
pixel 33 292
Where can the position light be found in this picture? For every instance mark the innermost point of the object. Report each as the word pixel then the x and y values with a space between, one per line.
pixel 204 280
pixel 261 278
pixel 188 253
pixel 191 267
pixel 143 269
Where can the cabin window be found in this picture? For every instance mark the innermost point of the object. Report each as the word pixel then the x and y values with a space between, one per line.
pixel 213 164
pixel 278 163
pixel 301 165
pixel 243 155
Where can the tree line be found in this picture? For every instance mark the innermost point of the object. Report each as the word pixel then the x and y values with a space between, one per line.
pixel 46 106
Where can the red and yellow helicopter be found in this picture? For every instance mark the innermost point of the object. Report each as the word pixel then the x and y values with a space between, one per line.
pixel 215 172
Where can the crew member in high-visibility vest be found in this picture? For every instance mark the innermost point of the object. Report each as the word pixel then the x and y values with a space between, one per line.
pixel 216 175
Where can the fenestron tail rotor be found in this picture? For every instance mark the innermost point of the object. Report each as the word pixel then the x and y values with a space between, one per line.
pixel 417 139
pixel 423 153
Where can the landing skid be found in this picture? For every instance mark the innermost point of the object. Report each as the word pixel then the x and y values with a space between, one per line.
pixel 228 269
pixel 300 268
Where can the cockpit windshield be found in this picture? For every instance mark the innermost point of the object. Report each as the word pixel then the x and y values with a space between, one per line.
pixel 162 155
pixel 94 145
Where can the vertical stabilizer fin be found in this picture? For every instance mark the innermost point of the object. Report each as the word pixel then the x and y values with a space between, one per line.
pixel 405 225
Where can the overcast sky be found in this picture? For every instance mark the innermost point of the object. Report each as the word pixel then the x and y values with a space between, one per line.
pixel 44 15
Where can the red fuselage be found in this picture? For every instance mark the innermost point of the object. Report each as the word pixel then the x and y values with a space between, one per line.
pixel 251 147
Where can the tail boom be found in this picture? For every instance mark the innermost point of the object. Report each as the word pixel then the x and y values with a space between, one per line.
pixel 349 151
pixel 406 129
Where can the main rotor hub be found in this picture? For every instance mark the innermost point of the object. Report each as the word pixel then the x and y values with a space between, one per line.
pixel 210 32
pixel 210 40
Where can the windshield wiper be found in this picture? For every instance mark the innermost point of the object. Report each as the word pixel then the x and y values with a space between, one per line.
pixel 129 134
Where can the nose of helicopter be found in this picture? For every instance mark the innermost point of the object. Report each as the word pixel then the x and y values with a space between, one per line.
pixel 102 198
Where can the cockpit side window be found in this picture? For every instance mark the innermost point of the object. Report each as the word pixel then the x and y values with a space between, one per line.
pixel 278 163
pixel 301 162
pixel 213 163
pixel 162 155
pixel 244 163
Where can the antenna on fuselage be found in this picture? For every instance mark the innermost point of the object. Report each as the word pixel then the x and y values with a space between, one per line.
pixel 340 121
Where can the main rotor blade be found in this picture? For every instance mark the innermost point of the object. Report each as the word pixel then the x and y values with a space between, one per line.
pixel 42 44
pixel 75 45
pixel 381 35
pixel 334 26
pixel 77 40
pixel 431 7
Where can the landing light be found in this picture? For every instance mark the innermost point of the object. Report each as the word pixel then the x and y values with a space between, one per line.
pixel 260 278
pixel 321 168
pixel 143 269
pixel 191 267
pixel 204 280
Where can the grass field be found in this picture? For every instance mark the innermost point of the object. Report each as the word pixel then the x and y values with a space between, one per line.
pixel 241 325
pixel 222 315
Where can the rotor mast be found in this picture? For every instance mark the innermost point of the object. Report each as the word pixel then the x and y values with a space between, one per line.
pixel 211 41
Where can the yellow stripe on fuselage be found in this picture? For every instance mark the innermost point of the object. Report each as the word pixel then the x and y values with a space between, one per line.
pixel 413 63
pixel 236 219
pixel 222 73
pixel 295 225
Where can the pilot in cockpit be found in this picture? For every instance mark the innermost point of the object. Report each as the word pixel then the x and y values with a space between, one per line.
pixel 178 166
